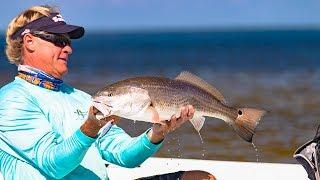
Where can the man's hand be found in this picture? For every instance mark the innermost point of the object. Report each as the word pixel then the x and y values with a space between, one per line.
pixel 92 125
pixel 159 131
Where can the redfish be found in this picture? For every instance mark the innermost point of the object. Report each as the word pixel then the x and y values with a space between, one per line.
pixel 154 99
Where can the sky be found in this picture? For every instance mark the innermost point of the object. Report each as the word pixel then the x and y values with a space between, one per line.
pixel 177 14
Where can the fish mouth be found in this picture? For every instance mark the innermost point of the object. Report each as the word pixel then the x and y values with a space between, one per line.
pixel 103 104
pixel 105 109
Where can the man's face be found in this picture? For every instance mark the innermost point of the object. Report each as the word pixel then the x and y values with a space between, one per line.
pixel 50 55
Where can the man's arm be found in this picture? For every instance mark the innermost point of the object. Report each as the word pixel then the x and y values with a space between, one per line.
pixel 119 148
pixel 25 126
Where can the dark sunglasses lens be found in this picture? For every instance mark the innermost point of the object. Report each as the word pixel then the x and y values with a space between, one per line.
pixel 58 40
pixel 62 41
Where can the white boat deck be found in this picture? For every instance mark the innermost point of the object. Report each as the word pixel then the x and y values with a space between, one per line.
pixel 225 170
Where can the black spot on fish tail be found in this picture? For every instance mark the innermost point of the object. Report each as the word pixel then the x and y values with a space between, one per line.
pixel 246 122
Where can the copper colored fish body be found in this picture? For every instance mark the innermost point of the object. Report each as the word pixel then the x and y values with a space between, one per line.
pixel 138 98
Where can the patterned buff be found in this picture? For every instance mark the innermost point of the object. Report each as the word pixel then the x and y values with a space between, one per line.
pixel 39 78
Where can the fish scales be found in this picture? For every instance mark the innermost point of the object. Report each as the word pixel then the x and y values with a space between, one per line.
pixel 165 92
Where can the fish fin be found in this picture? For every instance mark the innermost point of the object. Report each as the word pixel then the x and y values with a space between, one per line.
pixel 152 115
pixel 197 122
pixel 197 81
pixel 246 122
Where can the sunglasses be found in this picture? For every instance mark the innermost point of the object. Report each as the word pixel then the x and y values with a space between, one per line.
pixel 59 40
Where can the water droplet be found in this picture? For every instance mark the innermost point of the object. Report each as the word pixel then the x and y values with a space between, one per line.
pixel 169 150
pixel 134 126
pixel 257 152
pixel 179 148
pixel 200 137
pixel 203 146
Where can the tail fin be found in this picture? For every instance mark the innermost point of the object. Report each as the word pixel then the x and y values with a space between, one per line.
pixel 246 122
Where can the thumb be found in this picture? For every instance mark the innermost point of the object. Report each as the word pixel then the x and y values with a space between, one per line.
pixel 103 109
pixel 114 119
pixel 92 113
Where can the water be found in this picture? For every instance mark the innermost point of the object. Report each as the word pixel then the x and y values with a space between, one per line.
pixel 203 145
pixel 200 137
pixel 179 148
pixel 274 70
pixel 134 126
pixel 257 152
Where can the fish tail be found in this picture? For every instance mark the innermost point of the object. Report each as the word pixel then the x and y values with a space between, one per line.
pixel 246 122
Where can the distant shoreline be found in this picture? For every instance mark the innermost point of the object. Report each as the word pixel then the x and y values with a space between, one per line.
pixel 199 30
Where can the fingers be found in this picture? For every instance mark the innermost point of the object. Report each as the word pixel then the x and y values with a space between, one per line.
pixel 173 118
pixel 95 114
pixel 191 111
pixel 92 113
pixel 113 119
pixel 174 123
pixel 94 110
pixel 184 112
pixel 187 112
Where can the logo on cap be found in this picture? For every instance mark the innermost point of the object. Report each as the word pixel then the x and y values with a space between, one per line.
pixel 25 32
pixel 58 18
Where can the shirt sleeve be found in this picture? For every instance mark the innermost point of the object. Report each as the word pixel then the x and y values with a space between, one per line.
pixel 119 148
pixel 26 128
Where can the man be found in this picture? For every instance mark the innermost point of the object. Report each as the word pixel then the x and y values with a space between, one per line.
pixel 41 134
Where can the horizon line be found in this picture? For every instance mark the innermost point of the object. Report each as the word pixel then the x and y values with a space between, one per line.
pixel 205 29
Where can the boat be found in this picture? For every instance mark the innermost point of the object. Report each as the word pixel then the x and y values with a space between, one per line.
pixel 225 170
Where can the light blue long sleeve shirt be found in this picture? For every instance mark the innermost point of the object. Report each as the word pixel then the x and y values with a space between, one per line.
pixel 40 136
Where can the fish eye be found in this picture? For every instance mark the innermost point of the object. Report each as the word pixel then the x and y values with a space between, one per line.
pixel 240 112
pixel 110 94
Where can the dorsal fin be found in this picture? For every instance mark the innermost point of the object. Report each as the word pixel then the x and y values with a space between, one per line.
pixel 195 80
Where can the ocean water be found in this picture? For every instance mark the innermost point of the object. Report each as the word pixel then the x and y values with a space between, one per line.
pixel 274 70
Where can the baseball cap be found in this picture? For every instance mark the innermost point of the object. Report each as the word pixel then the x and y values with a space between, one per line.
pixel 53 24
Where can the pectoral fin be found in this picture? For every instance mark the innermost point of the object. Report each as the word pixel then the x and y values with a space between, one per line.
pixel 150 114
pixel 153 114
pixel 197 122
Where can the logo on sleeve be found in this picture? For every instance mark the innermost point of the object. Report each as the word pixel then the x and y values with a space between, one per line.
pixel 81 113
